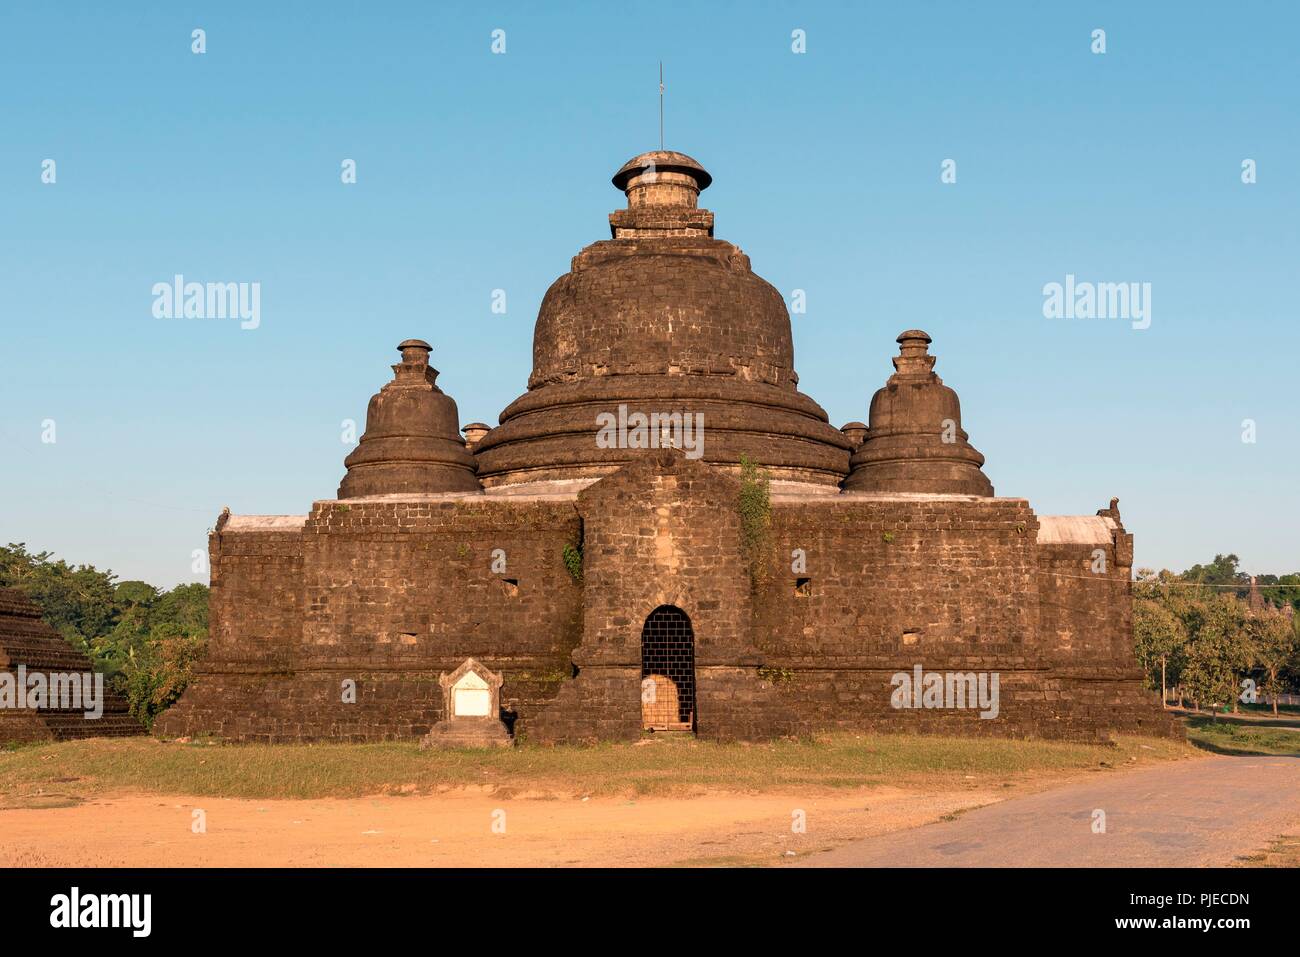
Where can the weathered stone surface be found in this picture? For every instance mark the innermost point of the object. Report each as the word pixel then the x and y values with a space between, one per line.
pixel 915 441
pixel 339 624
pixel 456 733
pixel 662 318
pixel 412 440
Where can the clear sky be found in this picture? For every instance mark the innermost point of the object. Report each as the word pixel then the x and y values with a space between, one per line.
pixel 479 171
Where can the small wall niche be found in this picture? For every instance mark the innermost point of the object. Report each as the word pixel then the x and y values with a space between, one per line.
pixel 802 587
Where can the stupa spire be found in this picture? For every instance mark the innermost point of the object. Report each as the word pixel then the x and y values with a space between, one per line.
pixel 662 318
pixel 914 441
pixel 412 440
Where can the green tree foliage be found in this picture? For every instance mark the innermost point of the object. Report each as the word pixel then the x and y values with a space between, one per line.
pixel 1159 638
pixel 1219 653
pixel 572 555
pixel 1280 590
pixel 1276 643
pixel 1220 572
pixel 145 641
pixel 156 675
pixel 78 602
pixel 1199 631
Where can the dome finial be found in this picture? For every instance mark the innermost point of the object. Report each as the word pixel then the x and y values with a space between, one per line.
pixel 415 351
pixel 662 178
pixel 914 357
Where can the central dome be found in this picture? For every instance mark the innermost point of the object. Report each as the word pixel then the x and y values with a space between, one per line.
pixel 662 318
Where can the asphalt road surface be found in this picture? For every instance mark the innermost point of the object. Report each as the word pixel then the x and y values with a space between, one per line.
pixel 1205 812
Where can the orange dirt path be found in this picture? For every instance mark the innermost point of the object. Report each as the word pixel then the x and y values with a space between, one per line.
pixel 455 828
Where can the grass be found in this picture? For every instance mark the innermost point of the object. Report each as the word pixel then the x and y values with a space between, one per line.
pixel 1229 737
pixel 656 766
pixel 1281 852
pixel 1266 710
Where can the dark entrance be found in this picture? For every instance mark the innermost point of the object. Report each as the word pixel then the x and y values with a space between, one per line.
pixel 668 671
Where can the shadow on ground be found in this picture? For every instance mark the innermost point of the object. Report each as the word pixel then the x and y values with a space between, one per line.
pixel 1243 737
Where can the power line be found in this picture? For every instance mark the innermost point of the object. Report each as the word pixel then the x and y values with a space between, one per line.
pixel 1163 584
pixel 13 443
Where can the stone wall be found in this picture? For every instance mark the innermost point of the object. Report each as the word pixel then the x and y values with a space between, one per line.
pixel 385 594
pixel 664 530
pixel 954 584
pixel 1087 607
pixel 255 604
pixel 390 592
pixel 897 577
pixel 884 583
pixel 1086 624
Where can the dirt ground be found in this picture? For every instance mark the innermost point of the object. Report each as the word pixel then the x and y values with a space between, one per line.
pixel 462 828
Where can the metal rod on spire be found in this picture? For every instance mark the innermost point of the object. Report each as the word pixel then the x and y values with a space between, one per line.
pixel 661 104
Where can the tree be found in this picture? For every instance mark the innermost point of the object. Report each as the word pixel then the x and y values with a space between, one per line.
pixel 186 606
pixel 1284 590
pixel 159 672
pixel 1158 636
pixel 77 602
pixel 130 632
pixel 1276 645
pixel 1220 572
pixel 1199 631
pixel 1219 652
pixel 143 640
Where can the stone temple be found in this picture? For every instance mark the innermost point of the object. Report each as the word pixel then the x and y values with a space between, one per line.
pixel 605 561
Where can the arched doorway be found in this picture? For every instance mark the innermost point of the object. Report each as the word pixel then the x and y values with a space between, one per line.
pixel 667 671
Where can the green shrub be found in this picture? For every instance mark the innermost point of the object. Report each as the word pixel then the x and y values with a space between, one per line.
pixel 572 555
pixel 755 506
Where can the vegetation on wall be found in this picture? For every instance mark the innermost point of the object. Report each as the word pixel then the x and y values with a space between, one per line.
pixel 755 506
pixel 1200 641
pixel 143 639
pixel 554 676
pixel 572 555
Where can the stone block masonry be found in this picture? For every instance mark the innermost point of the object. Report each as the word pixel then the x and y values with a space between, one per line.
pixel 28 643
pixel 390 593
pixel 386 595
pixel 546 555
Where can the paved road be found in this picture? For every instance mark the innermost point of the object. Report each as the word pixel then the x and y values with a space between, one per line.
pixel 1203 812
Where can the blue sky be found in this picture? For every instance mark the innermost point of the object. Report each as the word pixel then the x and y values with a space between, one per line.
pixel 479 171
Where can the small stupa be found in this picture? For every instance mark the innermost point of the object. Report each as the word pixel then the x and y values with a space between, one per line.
pixel 412 441
pixel 914 441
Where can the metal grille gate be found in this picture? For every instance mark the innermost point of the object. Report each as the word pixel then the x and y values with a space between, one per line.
pixel 667 671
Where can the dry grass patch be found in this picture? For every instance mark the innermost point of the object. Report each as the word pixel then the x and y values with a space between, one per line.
pixel 654 766
pixel 1281 852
